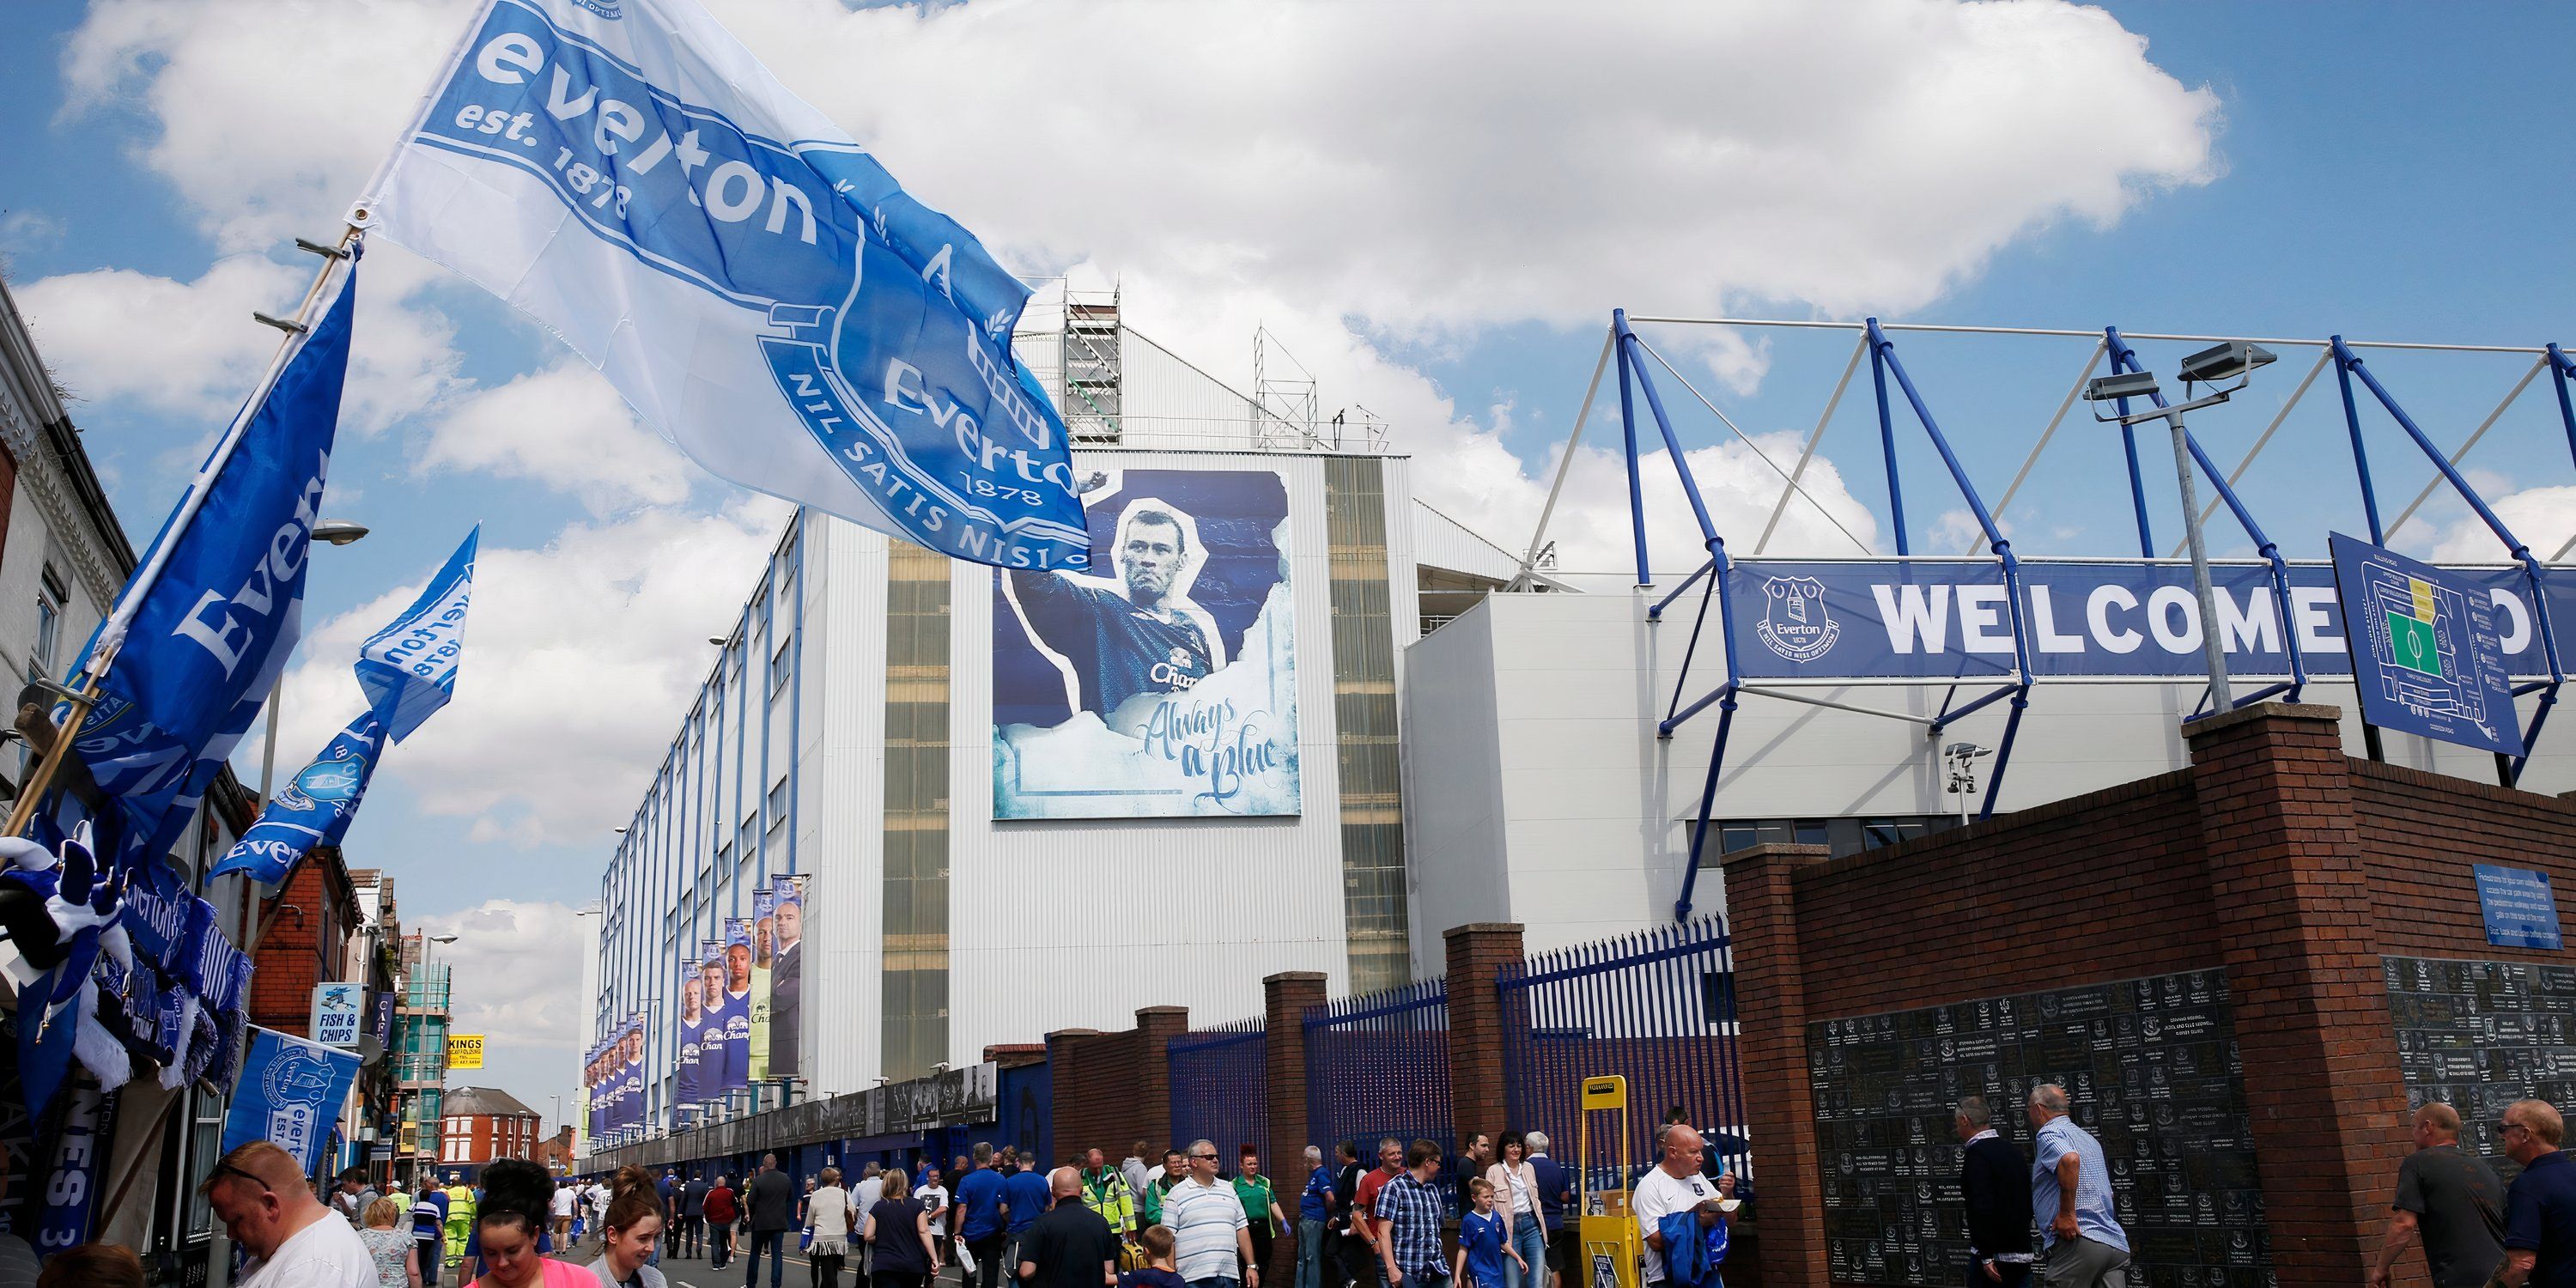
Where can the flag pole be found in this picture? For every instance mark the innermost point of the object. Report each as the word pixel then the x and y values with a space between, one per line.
pixel 111 636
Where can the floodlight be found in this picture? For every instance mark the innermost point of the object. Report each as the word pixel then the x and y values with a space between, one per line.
pixel 2225 361
pixel 2133 384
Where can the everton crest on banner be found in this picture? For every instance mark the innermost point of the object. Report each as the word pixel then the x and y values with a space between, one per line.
pixel 752 281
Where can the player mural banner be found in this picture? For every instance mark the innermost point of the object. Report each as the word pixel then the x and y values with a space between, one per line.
pixel 1936 619
pixel 764 907
pixel 686 1073
pixel 748 277
pixel 787 977
pixel 736 1069
pixel 1167 688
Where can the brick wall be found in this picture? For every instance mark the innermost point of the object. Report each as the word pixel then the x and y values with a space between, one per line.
pixel 2274 856
pixel 1113 1089
pixel 298 950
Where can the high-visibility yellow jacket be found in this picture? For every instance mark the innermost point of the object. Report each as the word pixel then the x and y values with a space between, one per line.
pixel 1105 1192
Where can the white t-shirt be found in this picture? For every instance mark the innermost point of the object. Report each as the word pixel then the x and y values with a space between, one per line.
pixel 325 1254
pixel 565 1198
pixel 1659 1195
pixel 935 1197
pixel 599 1202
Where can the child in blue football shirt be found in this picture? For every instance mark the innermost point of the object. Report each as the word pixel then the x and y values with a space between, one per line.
pixel 1481 1247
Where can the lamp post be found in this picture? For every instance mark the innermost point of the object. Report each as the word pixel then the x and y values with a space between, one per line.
pixel 2233 360
pixel 330 532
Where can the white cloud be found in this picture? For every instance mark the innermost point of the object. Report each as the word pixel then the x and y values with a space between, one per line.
pixel 119 337
pixel 2544 517
pixel 566 427
pixel 1328 178
pixel 579 660
pixel 512 961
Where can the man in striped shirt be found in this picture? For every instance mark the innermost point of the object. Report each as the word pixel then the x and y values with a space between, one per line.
pixel 1212 1237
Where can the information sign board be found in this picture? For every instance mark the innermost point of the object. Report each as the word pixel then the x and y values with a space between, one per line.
pixel 2521 910
pixel 2427 651
pixel 339 1013
pixel 464 1051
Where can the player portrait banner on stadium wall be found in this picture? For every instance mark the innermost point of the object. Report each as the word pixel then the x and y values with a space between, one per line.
pixel 764 907
pixel 736 1069
pixel 1166 687
pixel 711 1035
pixel 685 1075
pixel 1942 619
pixel 787 977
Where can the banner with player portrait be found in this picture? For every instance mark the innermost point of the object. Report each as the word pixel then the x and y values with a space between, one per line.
pixel 685 1086
pixel 787 977
pixel 737 989
pixel 1166 688
pixel 764 908
pixel 713 1012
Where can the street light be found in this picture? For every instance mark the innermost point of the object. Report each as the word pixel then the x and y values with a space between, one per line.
pixel 330 532
pixel 2233 360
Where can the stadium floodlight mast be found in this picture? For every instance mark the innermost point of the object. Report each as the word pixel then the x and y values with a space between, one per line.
pixel 2231 360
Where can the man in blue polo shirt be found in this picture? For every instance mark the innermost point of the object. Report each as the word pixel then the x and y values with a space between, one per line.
pixel 2070 1194
pixel 1025 1196
pixel 2540 1207
pixel 979 1216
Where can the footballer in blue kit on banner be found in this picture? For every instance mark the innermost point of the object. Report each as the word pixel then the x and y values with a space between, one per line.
pixel 1167 687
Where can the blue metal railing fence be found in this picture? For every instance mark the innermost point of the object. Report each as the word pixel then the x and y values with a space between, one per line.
pixel 1377 1065
pixel 1221 1089
pixel 1656 1007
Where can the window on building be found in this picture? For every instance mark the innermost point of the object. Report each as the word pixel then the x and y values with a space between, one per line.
pixel 779 667
pixel 44 661
pixel 1840 835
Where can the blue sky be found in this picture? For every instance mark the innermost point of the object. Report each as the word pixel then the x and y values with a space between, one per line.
pixel 2261 170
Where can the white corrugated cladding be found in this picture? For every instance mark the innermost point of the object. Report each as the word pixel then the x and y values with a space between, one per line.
pixel 1442 542
pixel 840 809
pixel 1077 923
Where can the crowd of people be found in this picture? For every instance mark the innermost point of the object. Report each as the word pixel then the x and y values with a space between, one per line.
pixel 1190 1221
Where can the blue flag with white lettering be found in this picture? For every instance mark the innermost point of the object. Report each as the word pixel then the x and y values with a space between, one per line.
pixel 750 279
pixel 290 1093
pixel 189 654
pixel 314 808
pixel 408 669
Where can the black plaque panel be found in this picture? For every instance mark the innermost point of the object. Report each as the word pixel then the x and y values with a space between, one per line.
pixel 2151 1068
pixel 2479 1035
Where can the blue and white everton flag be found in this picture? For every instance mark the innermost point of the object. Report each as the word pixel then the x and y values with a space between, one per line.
pixel 290 1093
pixel 200 634
pixel 408 669
pixel 315 808
pixel 754 283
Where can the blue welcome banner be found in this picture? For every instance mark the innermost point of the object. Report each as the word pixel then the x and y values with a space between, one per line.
pixel 315 808
pixel 754 283
pixel 1944 619
pixel 408 669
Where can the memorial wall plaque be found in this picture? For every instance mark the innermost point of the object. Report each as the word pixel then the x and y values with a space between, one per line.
pixel 2149 1066
pixel 2480 1035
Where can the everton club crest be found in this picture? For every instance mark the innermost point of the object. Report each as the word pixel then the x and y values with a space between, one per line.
pixel 1794 623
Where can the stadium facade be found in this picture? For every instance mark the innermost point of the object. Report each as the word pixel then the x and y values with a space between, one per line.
pixel 1350 741
pixel 950 756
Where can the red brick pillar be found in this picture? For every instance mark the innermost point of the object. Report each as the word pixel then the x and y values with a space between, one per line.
pixel 1156 1026
pixel 1478 1098
pixel 1771 1056
pixel 2322 1084
pixel 1284 999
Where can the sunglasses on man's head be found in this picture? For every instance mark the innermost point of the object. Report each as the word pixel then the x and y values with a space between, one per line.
pixel 227 1169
